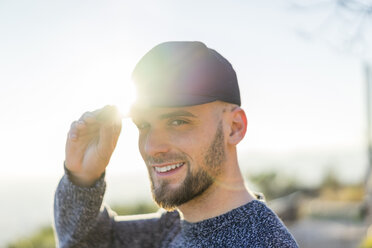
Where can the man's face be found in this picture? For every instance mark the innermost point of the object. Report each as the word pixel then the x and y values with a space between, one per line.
pixel 183 148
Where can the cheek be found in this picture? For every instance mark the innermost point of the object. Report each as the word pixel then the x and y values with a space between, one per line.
pixel 140 144
pixel 183 139
pixel 195 146
pixel 193 143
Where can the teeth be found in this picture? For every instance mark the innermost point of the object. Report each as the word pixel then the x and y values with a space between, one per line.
pixel 168 167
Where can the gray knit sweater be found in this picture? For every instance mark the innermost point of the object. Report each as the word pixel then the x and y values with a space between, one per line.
pixel 82 221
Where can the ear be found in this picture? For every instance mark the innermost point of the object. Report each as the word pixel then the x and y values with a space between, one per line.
pixel 238 126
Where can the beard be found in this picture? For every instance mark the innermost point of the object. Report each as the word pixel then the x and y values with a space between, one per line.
pixel 195 183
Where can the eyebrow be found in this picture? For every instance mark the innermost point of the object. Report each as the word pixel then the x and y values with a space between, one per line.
pixel 177 113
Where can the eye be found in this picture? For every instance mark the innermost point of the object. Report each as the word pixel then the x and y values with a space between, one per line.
pixel 178 122
pixel 142 125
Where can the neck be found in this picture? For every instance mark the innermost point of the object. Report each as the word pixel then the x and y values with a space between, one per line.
pixel 225 194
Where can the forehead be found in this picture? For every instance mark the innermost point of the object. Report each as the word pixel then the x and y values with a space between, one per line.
pixel 196 111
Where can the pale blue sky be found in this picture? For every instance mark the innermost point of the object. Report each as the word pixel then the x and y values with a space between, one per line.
pixel 58 59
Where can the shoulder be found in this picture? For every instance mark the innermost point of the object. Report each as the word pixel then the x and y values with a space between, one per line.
pixel 266 226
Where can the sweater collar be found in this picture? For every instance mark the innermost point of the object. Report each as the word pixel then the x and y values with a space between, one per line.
pixel 207 227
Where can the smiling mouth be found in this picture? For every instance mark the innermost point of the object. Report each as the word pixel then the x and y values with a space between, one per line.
pixel 167 168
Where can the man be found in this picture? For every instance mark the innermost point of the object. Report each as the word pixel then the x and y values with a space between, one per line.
pixel 189 120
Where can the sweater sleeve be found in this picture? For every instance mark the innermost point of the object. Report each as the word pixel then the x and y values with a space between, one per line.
pixel 81 220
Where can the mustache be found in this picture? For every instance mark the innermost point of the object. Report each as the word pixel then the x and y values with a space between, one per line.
pixel 166 158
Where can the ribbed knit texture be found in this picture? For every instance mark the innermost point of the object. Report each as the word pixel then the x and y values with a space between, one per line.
pixel 80 221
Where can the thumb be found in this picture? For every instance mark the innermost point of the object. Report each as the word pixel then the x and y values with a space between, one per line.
pixel 109 132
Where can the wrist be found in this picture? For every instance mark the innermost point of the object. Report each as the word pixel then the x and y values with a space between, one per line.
pixel 82 179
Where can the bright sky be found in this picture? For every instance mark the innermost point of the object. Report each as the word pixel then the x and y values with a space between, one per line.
pixel 59 59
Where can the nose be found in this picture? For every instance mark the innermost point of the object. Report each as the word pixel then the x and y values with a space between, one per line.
pixel 155 142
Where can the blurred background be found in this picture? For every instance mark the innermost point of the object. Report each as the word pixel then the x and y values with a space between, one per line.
pixel 303 67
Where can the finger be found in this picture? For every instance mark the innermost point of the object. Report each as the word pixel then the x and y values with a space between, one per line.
pixel 116 129
pixel 109 135
pixel 78 125
pixel 114 124
pixel 73 132
pixel 87 124
pixel 88 118
pixel 89 133
pixel 108 113
pixel 79 128
pixel 84 128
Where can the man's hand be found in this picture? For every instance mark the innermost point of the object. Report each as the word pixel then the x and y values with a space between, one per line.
pixel 90 144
